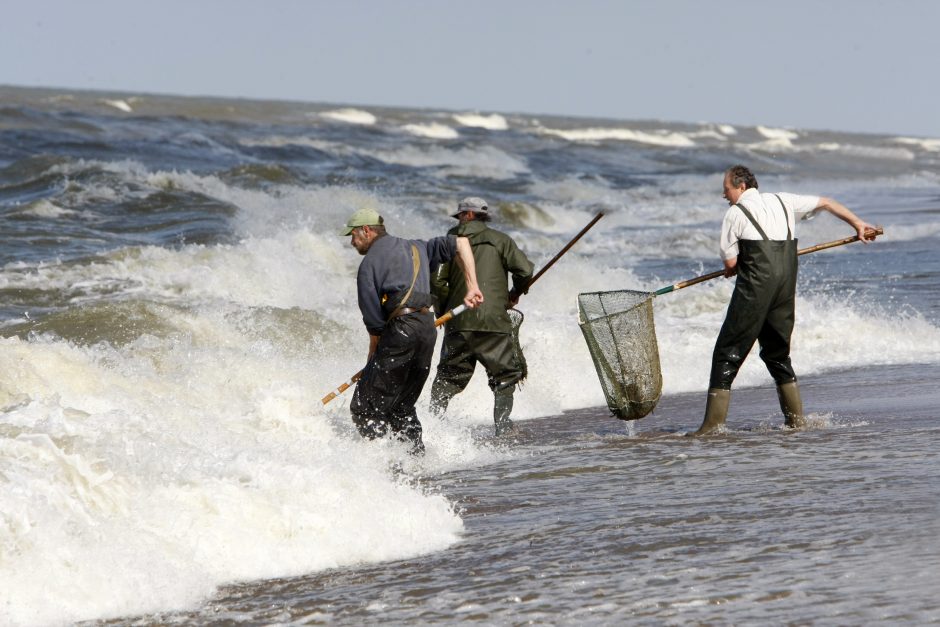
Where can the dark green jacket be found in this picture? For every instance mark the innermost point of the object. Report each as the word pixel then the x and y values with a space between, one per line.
pixel 496 255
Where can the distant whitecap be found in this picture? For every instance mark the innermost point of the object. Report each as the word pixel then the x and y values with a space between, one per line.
pixel 662 138
pixel 930 145
pixel 777 133
pixel 494 122
pixel 727 129
pixel 433 131
pixel 121 105
pixel 350 116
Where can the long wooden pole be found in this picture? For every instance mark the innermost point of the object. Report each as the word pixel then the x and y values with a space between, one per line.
pixel 870 233
pixel 460 308
pixel 564 250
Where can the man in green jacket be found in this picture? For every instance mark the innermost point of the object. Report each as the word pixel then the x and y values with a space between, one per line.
pixel 484 334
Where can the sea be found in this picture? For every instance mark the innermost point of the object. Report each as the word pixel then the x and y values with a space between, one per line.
pixel 176 300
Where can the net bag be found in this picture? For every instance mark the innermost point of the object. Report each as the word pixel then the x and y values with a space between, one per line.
pixel 516 318
pixel 618 328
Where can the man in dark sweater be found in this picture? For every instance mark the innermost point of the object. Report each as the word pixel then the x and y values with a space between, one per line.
pixel 395 299
pixel 485 334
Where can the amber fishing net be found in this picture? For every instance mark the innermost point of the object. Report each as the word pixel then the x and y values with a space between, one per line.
pixel 618 328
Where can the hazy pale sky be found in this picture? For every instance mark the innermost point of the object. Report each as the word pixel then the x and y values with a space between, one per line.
pixel 855 65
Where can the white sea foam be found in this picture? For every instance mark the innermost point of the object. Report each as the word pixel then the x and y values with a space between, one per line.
pixel 865 152
pixel 912 232
pixel 350 116
pixel 46 209
pixel 260 483
pixel 433 130
pixel 594 135
pixel 776 139
pixel 214 414
pixel 121 105
pixel 493 122
pixel 485 162
pixel 778 133
pixel 930 145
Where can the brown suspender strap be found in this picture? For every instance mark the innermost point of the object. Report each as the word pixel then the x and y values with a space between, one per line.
pixel 416 265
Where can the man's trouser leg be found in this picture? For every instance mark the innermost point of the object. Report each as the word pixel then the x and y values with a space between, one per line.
pixel 385 397
pixel 739 331
pixel 454 371
pixel 459 356
pixel 774 341
pixel 496 352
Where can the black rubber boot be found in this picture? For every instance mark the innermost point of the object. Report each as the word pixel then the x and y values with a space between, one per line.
pixel 791 405
pixel 716 411
pixel 502 407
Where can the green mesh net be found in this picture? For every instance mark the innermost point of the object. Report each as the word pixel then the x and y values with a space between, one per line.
pixel 516 317
pixel 618 328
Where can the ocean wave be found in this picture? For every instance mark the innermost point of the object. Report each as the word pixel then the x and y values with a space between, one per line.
pixel 864 152
pixel 98 444
pixel 350 116
pixel 480 162
pixel 778 134
pixel 162 428
pixel 46 209
pixel 432 130
pixel 594 135
pixel 930 145
pixel 120 104
pixel 493 122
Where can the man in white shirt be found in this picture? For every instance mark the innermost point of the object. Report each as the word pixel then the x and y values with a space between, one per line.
pixel 758 246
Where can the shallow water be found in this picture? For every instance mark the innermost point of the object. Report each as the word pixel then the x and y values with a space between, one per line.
pixel 589 520
pixel 175 301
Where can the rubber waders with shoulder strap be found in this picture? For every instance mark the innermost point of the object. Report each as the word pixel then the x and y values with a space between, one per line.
pixel 716 410
pixel 791 405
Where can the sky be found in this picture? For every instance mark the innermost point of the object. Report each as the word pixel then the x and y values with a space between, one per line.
pixel 865 66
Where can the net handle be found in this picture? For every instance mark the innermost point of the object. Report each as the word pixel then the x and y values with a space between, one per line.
pixel 573 241
pixel 871 234
pixel 456 311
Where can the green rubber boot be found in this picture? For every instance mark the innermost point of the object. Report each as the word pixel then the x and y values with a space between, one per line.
pixel 441 393
pixel 791 405
pixel 716 410
pixel 502 407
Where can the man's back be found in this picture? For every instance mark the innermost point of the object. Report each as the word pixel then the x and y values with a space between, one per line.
pixel 496 255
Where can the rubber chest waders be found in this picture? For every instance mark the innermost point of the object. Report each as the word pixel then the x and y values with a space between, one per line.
pixel 761 307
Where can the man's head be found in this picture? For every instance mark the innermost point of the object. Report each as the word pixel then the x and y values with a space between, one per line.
pixel 365 226
pixel 472 208
pixel 737 179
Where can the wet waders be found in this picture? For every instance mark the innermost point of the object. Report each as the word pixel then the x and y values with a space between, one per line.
pixel 460 353
pixel 385 397
pixel 762 310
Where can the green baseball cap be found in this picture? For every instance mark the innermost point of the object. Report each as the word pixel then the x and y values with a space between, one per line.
pixel 362 217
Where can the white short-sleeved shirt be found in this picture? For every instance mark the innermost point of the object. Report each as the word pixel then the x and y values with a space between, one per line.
pixel 766 211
